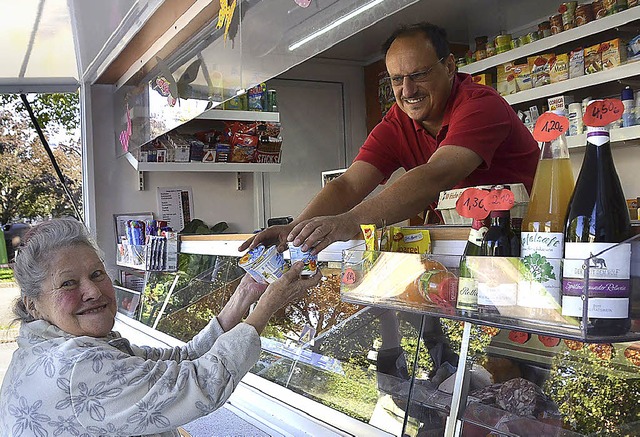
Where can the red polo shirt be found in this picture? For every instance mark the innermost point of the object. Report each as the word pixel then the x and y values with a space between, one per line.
pixel 476 117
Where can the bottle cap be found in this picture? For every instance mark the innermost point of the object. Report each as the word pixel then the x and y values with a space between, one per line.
pixel 627 94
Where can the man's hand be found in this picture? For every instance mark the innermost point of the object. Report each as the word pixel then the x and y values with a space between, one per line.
pixel 272 235
pixel 318 233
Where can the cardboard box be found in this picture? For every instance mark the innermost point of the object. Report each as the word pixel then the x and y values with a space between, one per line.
pixel 448 199
pixel 523 77
pixel 506 83
pixel 559 68
pixel 592 59
pixel 576 63
pixel 540 68
pixel 483 79
pixel 559 102
pixel 613 53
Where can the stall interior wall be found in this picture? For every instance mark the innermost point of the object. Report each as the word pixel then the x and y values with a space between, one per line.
pixel 215 196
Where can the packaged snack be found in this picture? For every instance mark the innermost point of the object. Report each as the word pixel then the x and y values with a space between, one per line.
pixel 559 68
pixel 522 74
pixel 409 240
pixel 242 153
pixel 483 79
pixel 592 59
pixel 613 53
pixel 540 69
pixel 263 157
pixel 576 63
pixel 310 261
pixel 265 265
pixel 256 100
pixel 506 79
pixel 370 239
pixel 222 152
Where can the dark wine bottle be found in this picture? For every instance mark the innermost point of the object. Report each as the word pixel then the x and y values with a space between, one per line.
pixel 597 219
pixel 497 288
pixel 467 284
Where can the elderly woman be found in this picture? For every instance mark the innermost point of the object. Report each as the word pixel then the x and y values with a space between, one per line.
pixel 73 376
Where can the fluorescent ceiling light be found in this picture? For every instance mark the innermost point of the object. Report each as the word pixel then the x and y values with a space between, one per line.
pixel 335 24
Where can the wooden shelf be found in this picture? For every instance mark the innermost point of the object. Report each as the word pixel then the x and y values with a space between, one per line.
pixel 551 42
pixel 220 167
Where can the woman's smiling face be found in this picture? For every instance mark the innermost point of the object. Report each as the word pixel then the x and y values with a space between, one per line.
pixel 78 296
pixel 424 96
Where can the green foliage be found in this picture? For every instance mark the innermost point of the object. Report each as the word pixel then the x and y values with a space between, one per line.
pixel 593 394
pixel 6 274
pixel 49 109
pixel 537 268
pixel 478 341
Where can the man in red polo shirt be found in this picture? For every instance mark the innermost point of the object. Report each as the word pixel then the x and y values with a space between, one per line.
pixel 445 130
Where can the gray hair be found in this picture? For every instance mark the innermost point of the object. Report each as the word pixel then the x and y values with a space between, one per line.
pixel 34 256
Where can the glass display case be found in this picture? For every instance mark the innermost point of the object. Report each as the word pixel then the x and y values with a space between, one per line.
pixel 379 353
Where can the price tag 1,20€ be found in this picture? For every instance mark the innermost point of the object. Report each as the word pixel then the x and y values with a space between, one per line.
pixel 471 203
pixel 602 112
pixel 550 126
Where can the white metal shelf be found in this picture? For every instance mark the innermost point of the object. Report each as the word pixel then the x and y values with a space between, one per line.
pixel 232 115
pixel 550 42
pixel 618 136
pixel 220 167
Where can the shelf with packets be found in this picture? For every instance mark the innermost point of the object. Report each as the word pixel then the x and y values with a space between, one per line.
pixel 549 43
pixel 619 136
pixel 400 281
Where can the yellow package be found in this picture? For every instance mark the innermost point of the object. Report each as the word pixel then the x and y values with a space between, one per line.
pixel 540 69
pixel 523 76
pixel 506 83
pixel 613 53
pixel 559 68
pixel 369 234
pixel 592 59
pixel 409 240
pixel 483 79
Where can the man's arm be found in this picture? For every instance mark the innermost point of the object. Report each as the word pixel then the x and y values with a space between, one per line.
pixel 337 196
pixel 409 195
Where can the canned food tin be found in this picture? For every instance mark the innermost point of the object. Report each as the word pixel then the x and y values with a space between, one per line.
pixel 584 14
pixel 568 20
pixel 503 43
pixel 310 261
pixel 544 29
pixel 461 62
pixel 598 10
pixel 556 24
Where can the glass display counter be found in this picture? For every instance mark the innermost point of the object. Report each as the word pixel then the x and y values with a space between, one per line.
pixel 376 355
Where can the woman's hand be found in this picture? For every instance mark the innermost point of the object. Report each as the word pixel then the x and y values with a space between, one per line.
pixel 247 293
pixel 281 292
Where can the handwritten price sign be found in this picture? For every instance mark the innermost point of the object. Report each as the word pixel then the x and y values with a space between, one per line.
pixel 549 127
pixel 349 277
pixel 476 203
pixel 602 112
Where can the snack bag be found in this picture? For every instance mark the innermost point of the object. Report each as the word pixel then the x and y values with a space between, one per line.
pixel 369 234
pixel 410 240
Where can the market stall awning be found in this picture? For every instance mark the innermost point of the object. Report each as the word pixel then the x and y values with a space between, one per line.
pixel 38 52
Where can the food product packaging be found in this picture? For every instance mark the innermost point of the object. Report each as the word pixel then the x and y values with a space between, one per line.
pixel 559 68
pixel 576 63
pixel 484 79
pixel 540 69
pixel 222 152
pixel 523 77
pixel 265 265
pixel 257 97
pixel 592 59
pixel 613 53
pixel 310 261
pixel 447 203
pixel 406 239
pixel 506 83
pixel 559 102
pixel 633 47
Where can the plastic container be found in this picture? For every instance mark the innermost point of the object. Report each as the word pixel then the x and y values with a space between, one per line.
pixel 265 265
pixel 575 119
pixel 310 261
pixel 629 113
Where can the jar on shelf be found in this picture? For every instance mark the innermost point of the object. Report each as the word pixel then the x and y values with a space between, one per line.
pixel 584 14
pixel 491 49
pixel 479 55
pixel 481 43
pixel 544 29
pixel 598 10
pixel 614 6
pixel 568 11
pixel 556 24
pixel 461 62
pixel 503 43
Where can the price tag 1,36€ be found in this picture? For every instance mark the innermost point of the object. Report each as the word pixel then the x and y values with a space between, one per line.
pixel 602 112
pixel 549 127
pixel 471 203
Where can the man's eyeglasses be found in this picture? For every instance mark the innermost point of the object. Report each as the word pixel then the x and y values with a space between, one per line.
pixel 418 76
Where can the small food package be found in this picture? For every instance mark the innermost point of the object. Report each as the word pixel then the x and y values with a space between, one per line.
pixel 265 265
pixel 592 59
pixel 482 79
pixel 540 68
pixel 256 97
pixel 613 53
pixel 559 68
pixel 222 152
pixel 576 63
pixel 243 147
pixel 310 261
pixel 408 239
pixel 523 77
pixel 506 83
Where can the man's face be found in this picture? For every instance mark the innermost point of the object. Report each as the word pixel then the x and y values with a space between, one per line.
pixel 422 97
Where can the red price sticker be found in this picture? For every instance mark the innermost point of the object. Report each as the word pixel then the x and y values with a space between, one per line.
pixel 550 126
pixel 471 203
pixel 349 276
pixel 602 112
pixel 499 200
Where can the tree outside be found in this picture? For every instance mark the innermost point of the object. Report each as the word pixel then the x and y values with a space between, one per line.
pixel 29 187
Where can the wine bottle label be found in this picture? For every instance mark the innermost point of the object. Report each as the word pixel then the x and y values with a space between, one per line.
pixel 467 294
pixel 540 286
pixel 497 295
pixel 476 235
pixel 608 283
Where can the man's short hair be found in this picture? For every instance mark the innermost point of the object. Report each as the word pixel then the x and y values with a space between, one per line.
pixel 436 35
